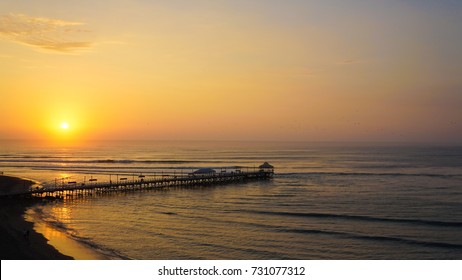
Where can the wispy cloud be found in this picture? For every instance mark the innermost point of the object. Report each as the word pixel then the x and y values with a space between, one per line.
pixel 45 33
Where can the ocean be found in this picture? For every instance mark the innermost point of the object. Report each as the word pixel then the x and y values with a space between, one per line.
pixel 326 201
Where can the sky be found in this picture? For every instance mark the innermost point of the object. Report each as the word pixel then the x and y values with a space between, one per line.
pixel 292 70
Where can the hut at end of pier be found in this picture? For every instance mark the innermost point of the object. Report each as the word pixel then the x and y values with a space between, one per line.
pixel 266 167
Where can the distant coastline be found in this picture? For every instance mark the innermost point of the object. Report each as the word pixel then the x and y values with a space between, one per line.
pixel 18 238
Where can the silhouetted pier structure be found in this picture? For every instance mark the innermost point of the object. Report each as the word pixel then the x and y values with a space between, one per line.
pixel 200 177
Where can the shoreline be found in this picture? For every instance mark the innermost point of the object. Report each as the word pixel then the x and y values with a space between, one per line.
pixel 61 241
pixel 15 243
pixel 24 238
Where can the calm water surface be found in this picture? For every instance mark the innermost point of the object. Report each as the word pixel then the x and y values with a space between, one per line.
pixel 325 202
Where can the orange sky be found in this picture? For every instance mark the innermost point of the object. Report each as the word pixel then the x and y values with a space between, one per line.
pixel 231 70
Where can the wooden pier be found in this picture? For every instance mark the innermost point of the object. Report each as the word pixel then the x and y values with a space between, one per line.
pixel 73 188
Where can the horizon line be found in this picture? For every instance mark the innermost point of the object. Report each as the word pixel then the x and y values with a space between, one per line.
pixel 390 142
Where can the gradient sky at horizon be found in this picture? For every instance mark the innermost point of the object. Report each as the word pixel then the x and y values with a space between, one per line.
pixel 347 70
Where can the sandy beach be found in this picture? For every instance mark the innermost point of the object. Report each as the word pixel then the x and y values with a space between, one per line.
pixel 19 239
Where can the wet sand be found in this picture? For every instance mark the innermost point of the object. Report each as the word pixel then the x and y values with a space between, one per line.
pixel 15 243
pixel 19 239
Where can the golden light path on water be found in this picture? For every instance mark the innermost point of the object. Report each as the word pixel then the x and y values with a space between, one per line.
pixel 61 240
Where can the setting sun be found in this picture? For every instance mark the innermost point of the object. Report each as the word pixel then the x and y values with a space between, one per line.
pixel 64 125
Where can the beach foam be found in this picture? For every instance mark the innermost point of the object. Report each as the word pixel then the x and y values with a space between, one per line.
pixel 61 241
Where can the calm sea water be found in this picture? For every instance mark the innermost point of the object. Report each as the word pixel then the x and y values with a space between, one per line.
pixel 360 201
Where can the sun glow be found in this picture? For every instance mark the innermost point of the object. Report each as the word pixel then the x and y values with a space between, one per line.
pixel 64 126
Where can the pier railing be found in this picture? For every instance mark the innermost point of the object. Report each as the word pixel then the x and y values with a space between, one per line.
pixel 90 187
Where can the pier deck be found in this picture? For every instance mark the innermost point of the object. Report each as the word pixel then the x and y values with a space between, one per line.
pixel 90 188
